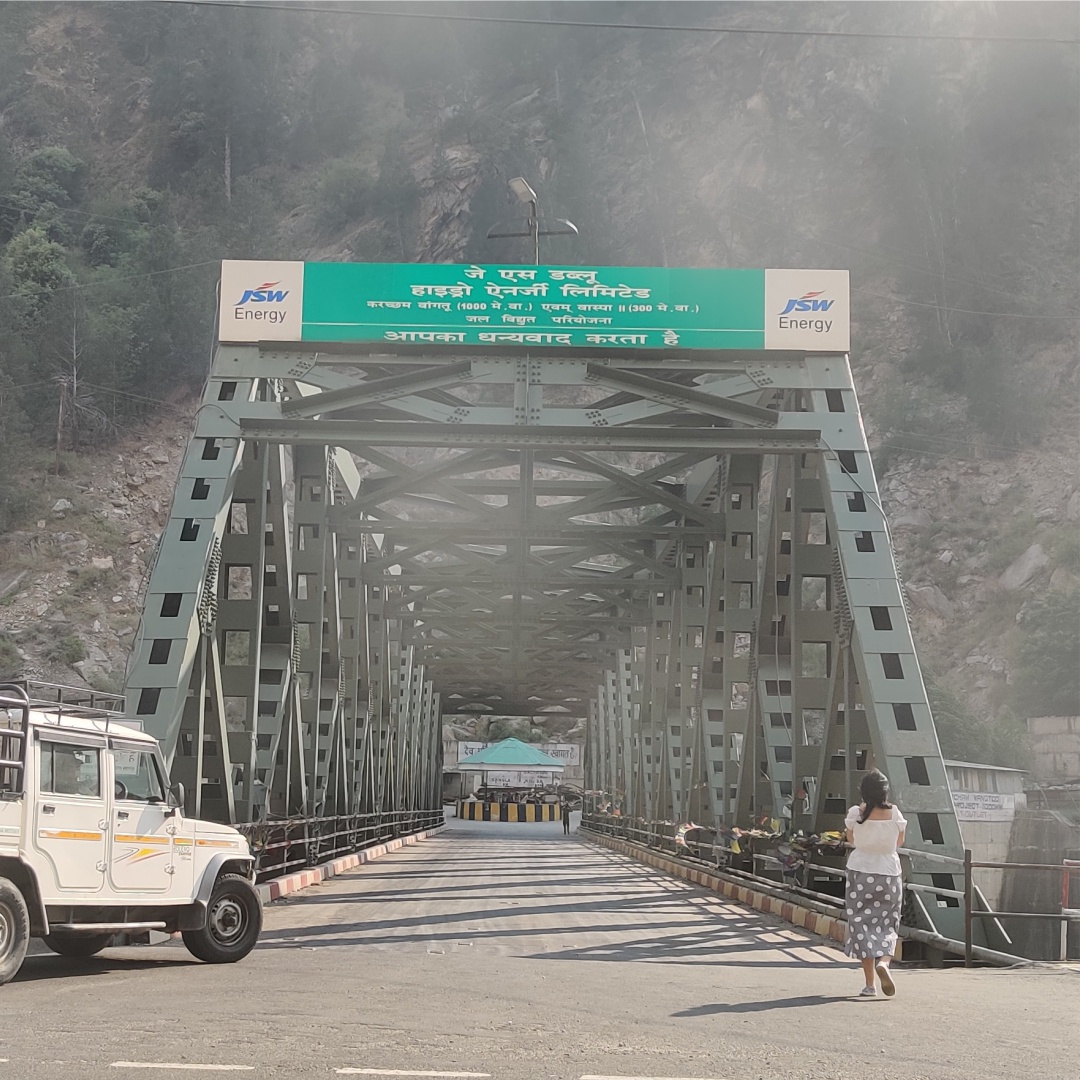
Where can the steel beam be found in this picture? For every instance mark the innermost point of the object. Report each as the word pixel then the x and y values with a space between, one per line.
pixel 377 390
pixel 363 435
pixel 692 399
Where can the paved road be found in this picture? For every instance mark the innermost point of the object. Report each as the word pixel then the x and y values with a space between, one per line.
pixel 514 952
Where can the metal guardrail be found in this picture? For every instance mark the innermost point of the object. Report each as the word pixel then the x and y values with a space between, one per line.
pixel 288 845
pixel 661 836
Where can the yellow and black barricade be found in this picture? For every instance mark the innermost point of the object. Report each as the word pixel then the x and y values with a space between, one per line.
pixel 517 812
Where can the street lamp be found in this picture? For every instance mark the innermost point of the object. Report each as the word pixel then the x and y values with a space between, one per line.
pixel 520 187
pixel 525 194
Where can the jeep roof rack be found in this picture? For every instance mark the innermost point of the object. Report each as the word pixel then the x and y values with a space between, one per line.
pixel 74 699
pixel 59 701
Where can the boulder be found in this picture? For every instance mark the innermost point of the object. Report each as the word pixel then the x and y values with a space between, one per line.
pixel 1023 568
pixel 91 671
pixel 104 562
pixel 61 505
pixel 1063 580
pixel 912 519
pixel 931 598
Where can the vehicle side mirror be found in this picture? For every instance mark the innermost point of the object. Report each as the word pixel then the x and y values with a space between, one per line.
pixel 176 796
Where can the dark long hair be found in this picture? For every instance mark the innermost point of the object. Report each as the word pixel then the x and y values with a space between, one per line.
pixel 874 791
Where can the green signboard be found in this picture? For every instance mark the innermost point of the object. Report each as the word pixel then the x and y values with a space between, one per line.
pixel 606 307
pixel 541 305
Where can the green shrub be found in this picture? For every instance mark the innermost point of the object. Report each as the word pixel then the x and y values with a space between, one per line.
pixel 10 660
pixel 912 420
pixel 1046 678
pixel 344 196
pixel 998 740
pixel 67 650
pixel 89 578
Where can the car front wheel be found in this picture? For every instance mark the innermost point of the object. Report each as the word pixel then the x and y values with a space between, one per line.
pixel 233 922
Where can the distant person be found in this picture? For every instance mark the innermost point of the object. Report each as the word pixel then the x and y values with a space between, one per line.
pixel 874 888
pixel 564 810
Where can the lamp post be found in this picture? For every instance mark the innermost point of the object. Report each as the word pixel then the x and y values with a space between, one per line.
pixel 525 195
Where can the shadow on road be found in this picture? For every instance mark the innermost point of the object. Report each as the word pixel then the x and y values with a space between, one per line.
pixel 42 968
pixel 764 1006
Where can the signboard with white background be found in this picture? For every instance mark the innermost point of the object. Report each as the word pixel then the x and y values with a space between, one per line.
pixel 984 806
pixel 515 779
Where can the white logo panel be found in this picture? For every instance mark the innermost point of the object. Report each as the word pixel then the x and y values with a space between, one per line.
pixel 807 310
pixel 261 301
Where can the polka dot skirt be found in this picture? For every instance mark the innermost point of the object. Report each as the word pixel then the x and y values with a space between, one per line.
pixel 873 914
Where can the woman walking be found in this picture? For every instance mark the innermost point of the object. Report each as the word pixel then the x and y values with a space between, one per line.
pixel 874 888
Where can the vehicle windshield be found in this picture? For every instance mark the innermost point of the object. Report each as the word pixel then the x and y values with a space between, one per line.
pixel 137 775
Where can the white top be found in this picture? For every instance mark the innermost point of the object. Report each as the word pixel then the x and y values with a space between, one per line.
pixel 875 843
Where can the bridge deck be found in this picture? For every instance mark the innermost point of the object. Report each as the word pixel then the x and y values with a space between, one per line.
pixel 515 952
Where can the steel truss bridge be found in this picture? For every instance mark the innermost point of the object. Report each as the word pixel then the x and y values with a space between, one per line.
pixel 687 547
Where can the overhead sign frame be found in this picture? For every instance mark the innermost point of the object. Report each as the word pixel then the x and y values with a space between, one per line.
pixel 434 304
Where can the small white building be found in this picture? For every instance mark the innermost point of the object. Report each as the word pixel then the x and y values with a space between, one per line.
pixel 986 799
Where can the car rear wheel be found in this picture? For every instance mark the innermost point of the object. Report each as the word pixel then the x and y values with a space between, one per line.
pixel 14 930
pixel 233 922
pixel 79 946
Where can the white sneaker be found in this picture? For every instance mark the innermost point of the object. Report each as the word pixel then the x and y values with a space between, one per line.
pixel 888 987
pixel 868 991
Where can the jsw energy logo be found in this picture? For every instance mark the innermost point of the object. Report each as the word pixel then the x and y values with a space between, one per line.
pixel 808 302
pixel 264 294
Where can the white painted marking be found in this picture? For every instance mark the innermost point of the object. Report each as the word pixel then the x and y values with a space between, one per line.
pixel 405 1072
pixel 180 1065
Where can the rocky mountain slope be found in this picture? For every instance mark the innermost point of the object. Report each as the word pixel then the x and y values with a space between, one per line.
pixel 942 173
pixel 71 581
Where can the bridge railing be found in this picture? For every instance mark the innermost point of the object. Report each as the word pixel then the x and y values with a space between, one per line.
pixel 723 857
pixel 284 846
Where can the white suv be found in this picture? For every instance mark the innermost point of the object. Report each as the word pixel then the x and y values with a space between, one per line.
pixel 94 843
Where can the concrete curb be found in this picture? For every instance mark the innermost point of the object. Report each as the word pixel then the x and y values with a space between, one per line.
pixel 825 926
pixel 303 879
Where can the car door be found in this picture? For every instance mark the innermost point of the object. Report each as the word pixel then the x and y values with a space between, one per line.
pixel 142 851
pixel 71 821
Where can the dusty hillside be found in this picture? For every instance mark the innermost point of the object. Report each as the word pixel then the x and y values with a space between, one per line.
pixel 923 166
pixel 71 581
